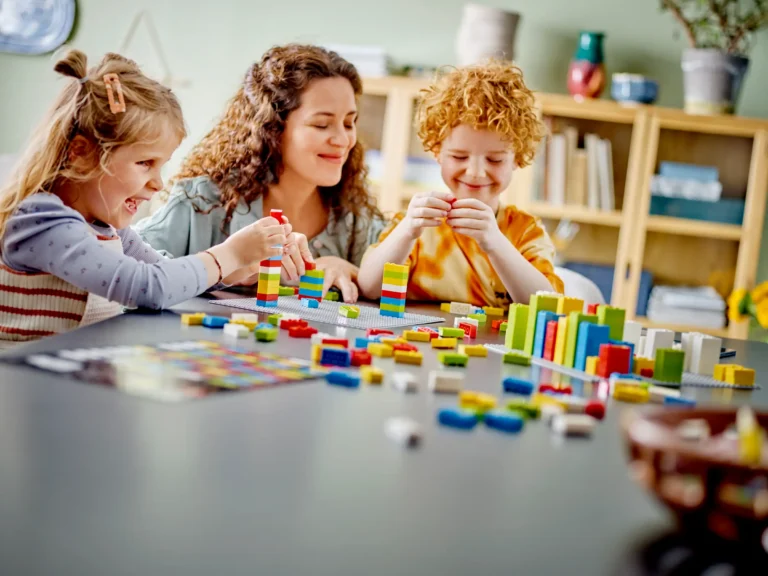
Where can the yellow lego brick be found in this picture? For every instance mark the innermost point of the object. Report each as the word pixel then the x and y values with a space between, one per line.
pixel 643 363
pixel 380 350
pixel 477 401
pixel 477 350
pixel 631 393
pixel 719 373
pixel 540 399
pixel 317 350
pixel 445 307
pixel 491 311
pixel 444 343
pixel 392 341
pixel 740 376
pixel 401 268
pixel 591 367
pixel 408 357
pixel 566 305
pixel 195 319
pixel 560 339
pixel 371 374
pixel 247 323
pixel 414 336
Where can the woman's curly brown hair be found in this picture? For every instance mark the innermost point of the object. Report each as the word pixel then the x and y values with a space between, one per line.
pixel 490 95
pixel 242 154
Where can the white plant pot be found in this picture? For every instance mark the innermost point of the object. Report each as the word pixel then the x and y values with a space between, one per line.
pixel 484 33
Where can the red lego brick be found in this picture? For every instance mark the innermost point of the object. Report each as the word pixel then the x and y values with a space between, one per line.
pixel 377 331
pixel 277 215
pixel 546 388
pixel 432 333
pixel 301 331
pixel 565 389
pixel 469 329
pixel 403 346
pixel 595 408
pixel 338 341
pixel 612 359
pixel 647 372
pixel 496 324
pixel 361 357
pixel 391 294
pixel 267 297
pixel 293 323
pixel 592 308
pixel 309 265
pixel 271 264
pixel 549 340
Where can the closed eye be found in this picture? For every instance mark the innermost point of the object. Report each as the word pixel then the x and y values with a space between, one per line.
pixel 146 163
pixel 495 161
pixel 455 157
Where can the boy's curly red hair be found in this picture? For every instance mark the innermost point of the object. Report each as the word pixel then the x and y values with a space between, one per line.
pixel 492 95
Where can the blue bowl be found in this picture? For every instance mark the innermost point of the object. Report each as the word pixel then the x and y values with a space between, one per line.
pixel 634 88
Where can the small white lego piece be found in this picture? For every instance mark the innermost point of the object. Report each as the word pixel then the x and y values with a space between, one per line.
pixel 404 431
pixel 461 308
pixel 236 330
pixel 404 382
pixel 659 393
pixel 640 348
pixel 444 382
pixel 656 339
pixel 244 317
pixel 632 332
pixel 550 411
pixel 705 354
pixel 686 341
pixel 573 424
pixel 318 337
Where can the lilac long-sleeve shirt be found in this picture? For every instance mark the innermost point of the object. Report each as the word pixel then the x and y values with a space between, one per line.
pixel 45 235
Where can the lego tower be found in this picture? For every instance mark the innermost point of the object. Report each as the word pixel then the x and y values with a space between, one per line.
pixel 393 290
pixel 268 288
pixel 311 283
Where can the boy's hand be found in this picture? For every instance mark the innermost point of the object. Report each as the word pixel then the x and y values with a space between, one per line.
pixel 476 219
pixel 426 210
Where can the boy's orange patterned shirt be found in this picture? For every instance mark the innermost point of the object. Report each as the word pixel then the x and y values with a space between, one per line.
pixel 449 267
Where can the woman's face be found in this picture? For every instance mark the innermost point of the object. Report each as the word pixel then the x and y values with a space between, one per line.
pixel 321 132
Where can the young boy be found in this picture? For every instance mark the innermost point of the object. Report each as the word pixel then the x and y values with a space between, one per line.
pixel 461 245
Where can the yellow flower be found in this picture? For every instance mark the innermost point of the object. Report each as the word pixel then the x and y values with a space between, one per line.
pixel 735 308
pixel 762 313
pixel 760 292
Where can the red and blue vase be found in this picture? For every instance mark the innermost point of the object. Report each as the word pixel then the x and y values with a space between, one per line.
pixel 586 73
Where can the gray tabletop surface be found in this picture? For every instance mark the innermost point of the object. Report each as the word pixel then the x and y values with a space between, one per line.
pixel 301 479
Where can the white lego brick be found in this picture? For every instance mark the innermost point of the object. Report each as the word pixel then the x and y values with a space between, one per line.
pixel 466 320
pixel 640 348
pixel 404 431
pixel 244 317
pixel 461 308
pixel 444 382
pixel 686 340
pixel 236 330
pixel 632 332
pixel 573 424
pixel 706 353
pixel 395 288
pixel 656 339
pixel 404 382
pixel 318 337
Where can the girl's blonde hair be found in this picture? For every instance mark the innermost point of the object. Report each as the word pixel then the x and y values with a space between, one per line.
pixel 83 109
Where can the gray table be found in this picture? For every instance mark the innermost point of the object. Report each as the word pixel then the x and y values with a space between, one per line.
pixel 301 479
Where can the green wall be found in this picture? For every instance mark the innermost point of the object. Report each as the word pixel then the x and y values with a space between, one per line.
pixel 212 45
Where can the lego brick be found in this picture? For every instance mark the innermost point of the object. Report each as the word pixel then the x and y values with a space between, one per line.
pixel 508 422
pixel 503 327
pixel 288 323
pixel 646 372
pixel 310 303
pixel 631 352
pixel 590 338
pixel 371 374
pixel 392 340
pixel 566 305
pixel 473 350
pixel 574 321
pixel 718 372
pixel 404 382
pixel 378 332
pixel 195 319
pixel 266 334
pixel 448 332
pixel 250 325
pixel 481 318
pixel 343 342
pixel 493 311
pixel 465 320
pixel 399 290
pixel 550 337
pixel 456 418
pixel 560 339
pixel 313 276
pixel 215 321
pixel 740 375
pixel 408 357
pixel 573 425
pixel 496 324
pixel 445 307
pixel 403 347
pixel 403 431
pixel 592 309
pixel 591 365
pixel 470 330
pixel 380 350
pixel 349 311
pixel 612 317
pixel 236 330
pixel 656 338
pixel 360 358
pixel 705 353
pixel 635 394
pixel 244 316
pixel 541 329
pixel 398 268
pixel 444 343
pixel 342 379
pixel 613 359
pixel 640 363
pixel 286 291
pixel 318 337
pixel 392 307
pixel 266 303
pixel 335 357
pixel 477 401
pixel 415 336
pixel 517 357
pixel 461 308
pixel 539 302
pixel 301 331
pixel 669 365
pixel 441 382
pixel 431 331
pixel 274 319
pixel 520 386
pixel 632 332
pixel 392 314
pixel 452 359
pixel 517 325
pixel 331 296
pixel 526 408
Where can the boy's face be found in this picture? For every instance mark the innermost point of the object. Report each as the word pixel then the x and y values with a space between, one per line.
pixel 476 164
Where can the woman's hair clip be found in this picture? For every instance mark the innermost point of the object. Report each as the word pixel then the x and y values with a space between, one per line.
pixel 112 82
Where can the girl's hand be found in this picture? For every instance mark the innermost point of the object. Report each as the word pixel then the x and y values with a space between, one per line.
pixel 263 239
pixel 426 210
pixel 295 254
pixel 339 273
pixel 476 219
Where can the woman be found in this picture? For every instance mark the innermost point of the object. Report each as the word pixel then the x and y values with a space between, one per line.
pixel 288 141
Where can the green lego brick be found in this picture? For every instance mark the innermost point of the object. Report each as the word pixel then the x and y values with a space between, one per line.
pixel 286 291
pixel 515 357
pixel 349 311
pixel 525 408
pixel 266 334
pixel 614 319
pixel 503 327
pixel 538 303
pixel 669 365
pixel 452 359
pixel 481 318
pixel 274 319
pixel 448 332
pixel 517 324
pixel 331 296
pixel 391 308
pixel 574 321
pixel 314 273
pixel 397 278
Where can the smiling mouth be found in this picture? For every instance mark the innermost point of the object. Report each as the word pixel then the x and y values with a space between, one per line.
pixel 473 186
pixel 132 204
pixel 333 158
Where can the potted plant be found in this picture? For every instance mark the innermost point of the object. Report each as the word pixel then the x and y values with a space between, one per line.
pixel 719 33
pixel 752 304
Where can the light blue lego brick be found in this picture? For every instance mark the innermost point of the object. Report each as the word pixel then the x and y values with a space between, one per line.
pixel 309 303
pixel 393 301
pixel 312 280
pixel 541 331
pixel 312 293
pixel 588 342
pixel 392 314
pixel 266 304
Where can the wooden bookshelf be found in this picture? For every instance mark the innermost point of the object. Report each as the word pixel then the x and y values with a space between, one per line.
pixel 675 250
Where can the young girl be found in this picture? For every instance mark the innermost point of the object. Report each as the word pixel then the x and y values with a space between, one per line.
pixel 287 140
pixel 462 245
pixel 67 255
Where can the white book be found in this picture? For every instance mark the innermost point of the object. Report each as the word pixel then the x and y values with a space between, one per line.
pixel 593 187
pixel 604 177
pixel 557 170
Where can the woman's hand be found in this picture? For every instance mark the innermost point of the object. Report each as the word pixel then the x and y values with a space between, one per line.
pixel 295 254
pixel 339 273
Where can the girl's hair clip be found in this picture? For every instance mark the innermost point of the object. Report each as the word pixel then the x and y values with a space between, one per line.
pixel 112 83
pixel 83 80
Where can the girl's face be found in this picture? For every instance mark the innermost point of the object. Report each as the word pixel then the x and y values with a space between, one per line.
pixel 133 177
pixel 321 132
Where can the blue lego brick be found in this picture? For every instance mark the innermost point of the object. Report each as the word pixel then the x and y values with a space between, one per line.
pixel 518 386
pixel 309 303
pixel 541 331
pixel 343 379
pixel 311 280
pixel 505 422
pixel 392 314
pixel 588 342
pixel 362 342
pixel 215 321
pixel 393 301
pixel 679 401
pixel 261 325
pixel 266 304
pixel 457 418
pixel 631 352
pixel 335 357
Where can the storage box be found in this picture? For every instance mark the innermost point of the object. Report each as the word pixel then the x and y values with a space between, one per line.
pixel 725 210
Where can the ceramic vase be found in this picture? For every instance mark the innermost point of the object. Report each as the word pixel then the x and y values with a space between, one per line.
pixel 484 33
pixel 586 72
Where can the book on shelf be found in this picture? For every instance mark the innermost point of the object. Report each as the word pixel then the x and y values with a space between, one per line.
pixel 566 174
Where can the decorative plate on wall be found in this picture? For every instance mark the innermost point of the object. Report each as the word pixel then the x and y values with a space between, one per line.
pixel 35 26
